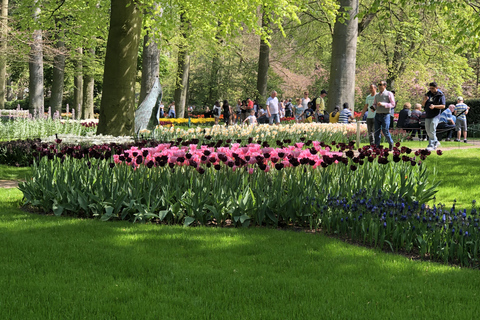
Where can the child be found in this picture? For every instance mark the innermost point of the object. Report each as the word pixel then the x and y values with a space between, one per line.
pixel 251 118
pixel 307 114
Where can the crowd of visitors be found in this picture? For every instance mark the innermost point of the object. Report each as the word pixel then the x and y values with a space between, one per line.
pixel 425 124
pixel 377 112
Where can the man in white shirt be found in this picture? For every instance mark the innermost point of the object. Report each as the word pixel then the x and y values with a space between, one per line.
pixel 272 108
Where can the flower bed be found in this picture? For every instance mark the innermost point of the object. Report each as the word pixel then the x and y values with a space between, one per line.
pixel 278 178
pixel 369 195
pixel 293 132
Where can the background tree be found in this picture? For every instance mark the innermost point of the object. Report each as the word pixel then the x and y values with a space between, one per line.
pixel 3 51
pixel 35 87
pixel 344 52
pixel 118 99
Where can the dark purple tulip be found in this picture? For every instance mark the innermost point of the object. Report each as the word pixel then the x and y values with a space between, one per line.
pixel 139 160
pixel 201 170
pixel 188 156
pixel 171 165
pixel 208 164
pixel 353 168
pixel 217 167
pixel 134 153
pixel 262 166
pixel 230 164
pixel 111 164
pixel 274 159
pixel 279 166
pixel 145 153
pixel 181 159
pixel 206 152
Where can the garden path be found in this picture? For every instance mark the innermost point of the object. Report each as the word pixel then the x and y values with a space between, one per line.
pixel 471 144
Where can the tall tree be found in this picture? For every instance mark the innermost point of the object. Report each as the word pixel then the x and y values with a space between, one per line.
pixel 117 108
pixel 150 64
pixel 58 71
pixel 35 86
pixel 344 51
pixel 88 84
pixel 78 79
pixel 3 51
pixel 263 61
pixel 183 69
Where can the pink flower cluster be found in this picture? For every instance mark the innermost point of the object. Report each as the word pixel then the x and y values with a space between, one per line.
pixel 236 156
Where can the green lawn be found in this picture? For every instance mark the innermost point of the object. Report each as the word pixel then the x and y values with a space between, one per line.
pixel 62 268
pixel 65 268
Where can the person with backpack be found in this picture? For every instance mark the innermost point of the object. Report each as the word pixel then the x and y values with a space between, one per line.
pixel 319 106
pixel 288 108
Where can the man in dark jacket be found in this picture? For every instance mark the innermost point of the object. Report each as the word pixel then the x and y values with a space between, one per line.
pixel 434 103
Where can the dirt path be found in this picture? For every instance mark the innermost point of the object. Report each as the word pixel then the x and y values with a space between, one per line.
pixel 8 183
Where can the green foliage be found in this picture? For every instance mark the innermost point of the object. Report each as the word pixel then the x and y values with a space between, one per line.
pixel 182 195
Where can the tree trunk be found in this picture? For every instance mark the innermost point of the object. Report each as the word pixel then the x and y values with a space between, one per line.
pixel 183 70
pixel 58 74
pixel 10 94
pixel 182 83
pixel 35 85
pixel 88 86
pixel 213 83
pixel 263 65
pixel 344 51
pixel 150 64
pixel 117 108
pixel 3 49
pixel 78 80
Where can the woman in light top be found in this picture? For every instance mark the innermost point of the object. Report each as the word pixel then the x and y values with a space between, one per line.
pixel 171 110
pixel 298 109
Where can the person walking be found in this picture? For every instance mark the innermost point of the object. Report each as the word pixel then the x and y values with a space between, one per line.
pixel 272 109
pixel 171 110
pixel 460 111
pixel 433 102
pixel 370 110
pixel 227 111
pixel 383 102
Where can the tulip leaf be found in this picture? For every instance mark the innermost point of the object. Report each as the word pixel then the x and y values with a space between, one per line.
pixel 188 221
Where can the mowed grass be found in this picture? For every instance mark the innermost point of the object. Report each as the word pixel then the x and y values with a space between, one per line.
pixel 14 173
pixel 64 268
pixel 459 173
